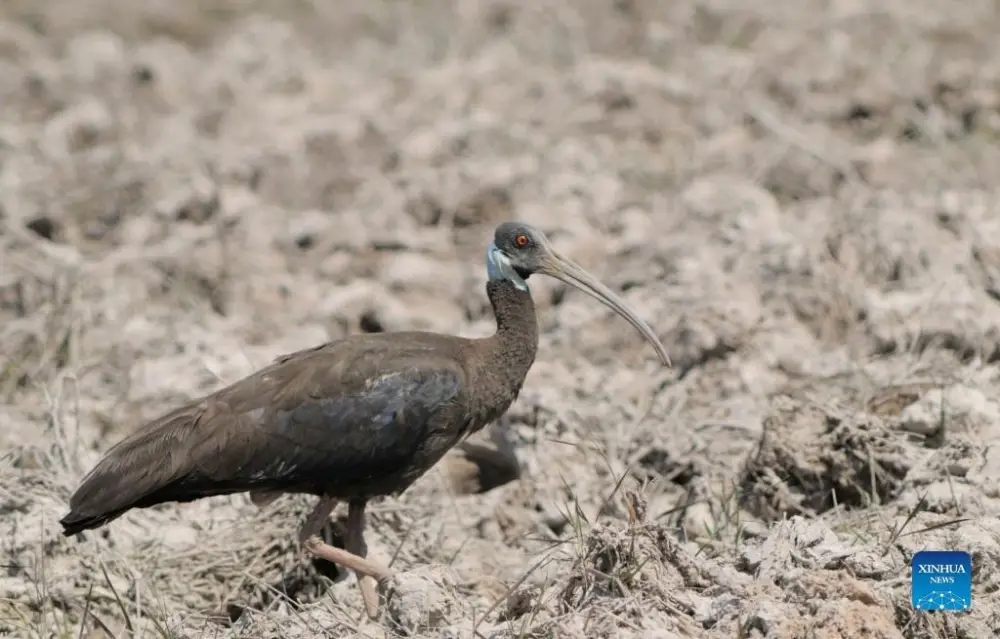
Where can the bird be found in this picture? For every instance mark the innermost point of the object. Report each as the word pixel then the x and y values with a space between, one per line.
pixel 358 418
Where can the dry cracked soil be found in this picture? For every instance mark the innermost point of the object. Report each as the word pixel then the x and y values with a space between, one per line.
pixel 802 198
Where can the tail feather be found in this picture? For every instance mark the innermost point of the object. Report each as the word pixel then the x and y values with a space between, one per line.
pixel 136 473
pixel 76 522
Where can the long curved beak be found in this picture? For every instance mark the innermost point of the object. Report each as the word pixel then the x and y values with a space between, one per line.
pixel 573 274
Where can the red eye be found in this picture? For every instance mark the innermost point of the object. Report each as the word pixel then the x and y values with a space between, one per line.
pixel 521 240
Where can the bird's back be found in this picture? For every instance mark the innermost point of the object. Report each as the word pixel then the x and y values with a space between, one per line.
pixel 365 415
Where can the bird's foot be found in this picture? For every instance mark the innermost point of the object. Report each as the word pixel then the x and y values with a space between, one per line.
pixel 369 572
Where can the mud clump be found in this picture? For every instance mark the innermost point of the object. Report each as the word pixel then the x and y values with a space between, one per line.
pixel 422 601
pixel 811 459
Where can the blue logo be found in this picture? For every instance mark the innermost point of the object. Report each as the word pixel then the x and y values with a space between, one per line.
pixel 941 580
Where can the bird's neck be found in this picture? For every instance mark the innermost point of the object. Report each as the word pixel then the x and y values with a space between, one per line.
pixel 516 340
pixel 508 354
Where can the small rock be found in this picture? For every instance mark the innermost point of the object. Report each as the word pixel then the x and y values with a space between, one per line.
pixel 944 496
pixel 421 600
pixel 753 530
pixel 961 406
pixel 766 617
pixel 198 201
pixel 78 127
pixel 699 521
pixel 708 612
pixel 177 536
pixel 794 542
pixel 306 228
pixel 869 564
pixel 519 603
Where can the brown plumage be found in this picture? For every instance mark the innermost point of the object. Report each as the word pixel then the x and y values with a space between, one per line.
pixel 353 419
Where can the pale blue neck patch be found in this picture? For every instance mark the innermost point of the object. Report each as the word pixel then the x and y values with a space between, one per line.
pixel 499 268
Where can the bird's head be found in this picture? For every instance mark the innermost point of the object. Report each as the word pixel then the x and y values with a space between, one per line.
pixel 518 251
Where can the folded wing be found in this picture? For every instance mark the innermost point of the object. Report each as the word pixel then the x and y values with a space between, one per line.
pixel 311 418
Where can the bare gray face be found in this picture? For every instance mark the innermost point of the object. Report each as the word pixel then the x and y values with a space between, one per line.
pixel 519 250
pixel 524 246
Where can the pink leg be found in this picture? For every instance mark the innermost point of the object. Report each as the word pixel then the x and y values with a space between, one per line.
pixel 355 543
pixel 353 558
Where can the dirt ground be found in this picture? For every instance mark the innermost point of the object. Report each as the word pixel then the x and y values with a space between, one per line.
pixel 801 197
